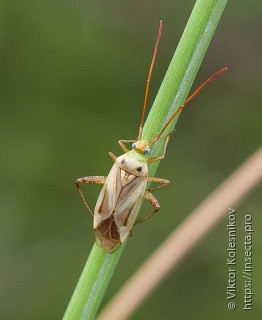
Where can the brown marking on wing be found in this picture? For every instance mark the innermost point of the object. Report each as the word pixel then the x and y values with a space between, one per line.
pixel 128 198
pixel 107 234
pixel 104 203
pixel 110 192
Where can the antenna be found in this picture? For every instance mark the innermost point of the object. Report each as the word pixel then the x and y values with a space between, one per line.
pixel 179 109
pixel 148 80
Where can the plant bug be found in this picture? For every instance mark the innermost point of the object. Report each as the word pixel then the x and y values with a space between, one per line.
pixel 124 188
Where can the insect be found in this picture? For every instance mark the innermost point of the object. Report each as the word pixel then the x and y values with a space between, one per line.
pixel 124 188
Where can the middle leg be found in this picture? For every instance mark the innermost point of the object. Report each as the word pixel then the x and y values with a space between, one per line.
pixel 87 180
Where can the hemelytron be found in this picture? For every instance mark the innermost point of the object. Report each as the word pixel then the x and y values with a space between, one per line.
pixel 124 188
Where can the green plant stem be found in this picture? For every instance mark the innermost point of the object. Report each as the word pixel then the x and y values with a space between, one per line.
pixel 183 69
pixel 92 284
pixel 172 93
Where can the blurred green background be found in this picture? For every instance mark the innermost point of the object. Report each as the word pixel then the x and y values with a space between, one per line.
pixel 72 83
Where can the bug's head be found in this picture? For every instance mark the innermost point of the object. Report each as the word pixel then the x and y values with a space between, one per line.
pixel 142 147
pixel 134 164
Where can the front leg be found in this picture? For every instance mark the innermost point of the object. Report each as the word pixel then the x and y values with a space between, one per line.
pixel 157 158
pixel 151 198
pixel 122 144
pixel 92 180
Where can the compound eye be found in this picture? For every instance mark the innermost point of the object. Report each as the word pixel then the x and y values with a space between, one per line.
pixel 134 145
pixel 147 151
pixel 139 169
pixel 123 161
